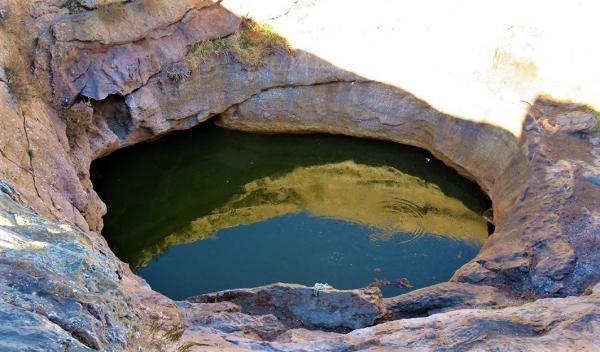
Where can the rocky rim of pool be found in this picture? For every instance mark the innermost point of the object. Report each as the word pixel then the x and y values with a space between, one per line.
pixel 242 210
pixel 533 283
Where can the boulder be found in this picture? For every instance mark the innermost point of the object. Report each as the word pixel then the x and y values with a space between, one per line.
pixel 228 318
pixel 575 121
pixel 443 297
pixel 297 306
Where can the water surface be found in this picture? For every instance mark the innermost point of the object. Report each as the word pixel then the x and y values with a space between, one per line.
pixel 211 209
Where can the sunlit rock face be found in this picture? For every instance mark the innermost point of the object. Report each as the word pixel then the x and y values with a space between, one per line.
pixel 476 60
pixel 383 198
pixel 58 286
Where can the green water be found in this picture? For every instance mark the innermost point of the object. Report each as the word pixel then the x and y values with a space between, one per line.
pixel 211 209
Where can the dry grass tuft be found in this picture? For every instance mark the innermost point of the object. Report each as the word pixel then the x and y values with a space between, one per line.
pixel 77 117
pixel 161 338
pixel 248 46
pixel 177 71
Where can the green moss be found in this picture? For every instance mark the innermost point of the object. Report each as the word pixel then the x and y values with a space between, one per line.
pixel 10 73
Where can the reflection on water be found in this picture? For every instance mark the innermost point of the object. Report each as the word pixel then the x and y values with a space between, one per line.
pixel 372 196
pixel 304 249
pixel 276 196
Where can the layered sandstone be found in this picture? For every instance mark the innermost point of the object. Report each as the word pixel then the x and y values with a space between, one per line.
pixel 62 288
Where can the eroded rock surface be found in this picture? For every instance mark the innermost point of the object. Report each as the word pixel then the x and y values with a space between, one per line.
pixel 84 64
pixel 130 22
pixel 534 186
pixel 297 306
pixel 63 289
pixel 59 289
pixel 444 297
pixel 547 217
pixel 543 325
pixel 228 317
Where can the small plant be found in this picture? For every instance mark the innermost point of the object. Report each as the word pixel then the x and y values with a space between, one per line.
pixel 177 71
pixel 76 116
pixel 30 154
pixel 187 347
pixel 68 117
pixel 74 6
pixel 10 73
pixel 17 79
pixel 249 45
pixel 174 334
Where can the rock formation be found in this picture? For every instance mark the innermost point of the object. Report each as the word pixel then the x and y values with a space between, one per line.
pixel 97 84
